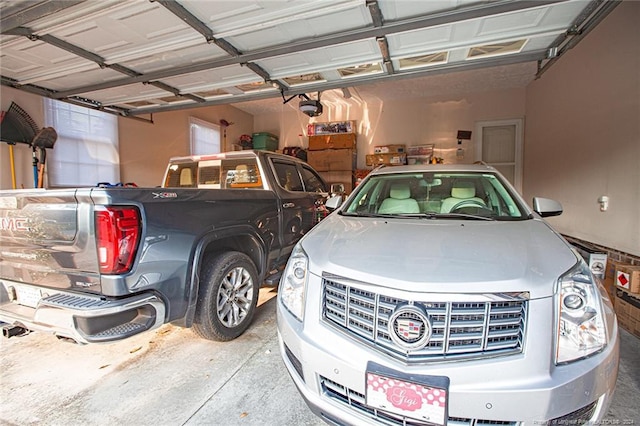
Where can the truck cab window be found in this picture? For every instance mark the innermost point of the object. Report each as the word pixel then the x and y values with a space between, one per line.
pixel 242 173
pixel 182 176
pixel 209 174
pixel 312 183
pixel 288 177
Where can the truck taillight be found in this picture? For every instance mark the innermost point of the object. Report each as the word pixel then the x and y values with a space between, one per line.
pixel 118 233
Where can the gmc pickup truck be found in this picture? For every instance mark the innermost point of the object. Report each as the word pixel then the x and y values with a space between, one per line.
pixel 102 264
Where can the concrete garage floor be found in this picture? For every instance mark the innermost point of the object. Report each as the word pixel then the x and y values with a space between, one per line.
pixel 171 377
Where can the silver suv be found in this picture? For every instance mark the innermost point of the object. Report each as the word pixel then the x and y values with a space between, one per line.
pixel 435 295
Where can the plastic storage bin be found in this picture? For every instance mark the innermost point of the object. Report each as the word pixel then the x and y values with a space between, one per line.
pixel 265 141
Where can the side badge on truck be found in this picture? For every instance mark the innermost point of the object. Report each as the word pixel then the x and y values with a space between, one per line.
pixel 164 195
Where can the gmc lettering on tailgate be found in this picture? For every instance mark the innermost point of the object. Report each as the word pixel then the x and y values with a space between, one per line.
pixel 14 224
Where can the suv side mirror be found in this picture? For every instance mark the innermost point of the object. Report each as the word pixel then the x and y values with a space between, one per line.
pixel 334 202
pixel 546 207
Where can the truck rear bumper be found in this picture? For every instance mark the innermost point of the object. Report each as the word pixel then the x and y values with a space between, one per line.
pixel 80 317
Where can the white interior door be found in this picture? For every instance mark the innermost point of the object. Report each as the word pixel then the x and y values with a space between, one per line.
pixel 499 144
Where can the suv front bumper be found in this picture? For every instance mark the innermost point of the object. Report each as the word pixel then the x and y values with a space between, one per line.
pixel 329 369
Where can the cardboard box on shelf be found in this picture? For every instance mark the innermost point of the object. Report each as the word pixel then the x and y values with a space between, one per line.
pixel 361 173
pixel 418 159
pixel 612 265
pixel 332 159
pixel 389 159
pixel 627 310
pixel 421 149
pixel 389 149
pixel 628 278
pixel 609 281
pixel 329 128
pixel 343 177
pixel 610 286
pixel 335 141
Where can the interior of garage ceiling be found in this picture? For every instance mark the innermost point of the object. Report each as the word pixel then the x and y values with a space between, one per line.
pixel 139 57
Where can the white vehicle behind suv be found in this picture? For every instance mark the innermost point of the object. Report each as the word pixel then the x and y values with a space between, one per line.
pixel 435 295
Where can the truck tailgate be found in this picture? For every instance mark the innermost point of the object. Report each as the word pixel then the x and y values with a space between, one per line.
pixel 40 241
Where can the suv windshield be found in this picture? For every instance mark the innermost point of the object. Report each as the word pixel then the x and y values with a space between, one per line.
pixel 436 195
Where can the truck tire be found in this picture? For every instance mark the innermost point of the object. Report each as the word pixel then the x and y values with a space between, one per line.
pixel 227 297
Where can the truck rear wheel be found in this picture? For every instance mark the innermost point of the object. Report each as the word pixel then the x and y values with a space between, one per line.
pixel 227 298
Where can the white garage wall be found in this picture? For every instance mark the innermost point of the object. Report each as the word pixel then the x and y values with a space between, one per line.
pixel 144 148
pixel 582 130
pixel 582 134
pixel 417 121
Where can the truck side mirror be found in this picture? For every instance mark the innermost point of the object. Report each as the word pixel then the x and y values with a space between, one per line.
pixel 337 188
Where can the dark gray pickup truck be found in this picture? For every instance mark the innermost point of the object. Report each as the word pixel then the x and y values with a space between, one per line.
pixel 102 264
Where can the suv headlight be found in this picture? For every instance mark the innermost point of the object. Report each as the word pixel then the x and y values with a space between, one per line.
pixel 294 281
pixel 581 322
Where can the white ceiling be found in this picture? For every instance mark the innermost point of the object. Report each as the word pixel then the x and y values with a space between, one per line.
pixel 450 84
pixel 138 57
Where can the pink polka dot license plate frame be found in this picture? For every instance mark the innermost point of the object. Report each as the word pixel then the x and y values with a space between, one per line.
pixel 419 397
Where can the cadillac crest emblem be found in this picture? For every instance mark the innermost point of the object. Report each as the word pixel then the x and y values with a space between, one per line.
pixel 410 327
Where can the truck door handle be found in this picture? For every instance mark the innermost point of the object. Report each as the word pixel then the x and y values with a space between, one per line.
pixel 288 205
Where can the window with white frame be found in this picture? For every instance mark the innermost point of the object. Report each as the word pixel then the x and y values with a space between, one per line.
pixel 205 137
pixel 86 151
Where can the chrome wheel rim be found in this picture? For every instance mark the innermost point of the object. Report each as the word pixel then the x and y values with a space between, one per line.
pixel 235 297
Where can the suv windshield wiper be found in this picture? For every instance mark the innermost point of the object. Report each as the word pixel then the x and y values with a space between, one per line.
pixel 448 216
pixel 420 215
pixel 384 215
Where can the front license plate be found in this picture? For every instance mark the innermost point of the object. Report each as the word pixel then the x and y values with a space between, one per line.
pixel 28 296
pixel 421 398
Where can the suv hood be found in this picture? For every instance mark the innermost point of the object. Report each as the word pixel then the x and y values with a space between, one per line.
pixel 445 256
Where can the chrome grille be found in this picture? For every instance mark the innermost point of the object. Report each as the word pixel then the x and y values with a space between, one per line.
pixel 356 401
pixel 459 328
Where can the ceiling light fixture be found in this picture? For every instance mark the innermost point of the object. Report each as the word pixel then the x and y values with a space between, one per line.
pixel 310 107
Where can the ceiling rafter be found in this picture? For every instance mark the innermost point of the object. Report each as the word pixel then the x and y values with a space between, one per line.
pixel 431 20
pixel 582 25
pixel 346 42
pixel 191 20
pixel 376 13
pixel 31 88
pixel 265 75
pixel 36 10
pixel 358 81
pixel 99 60
pixel 383 45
